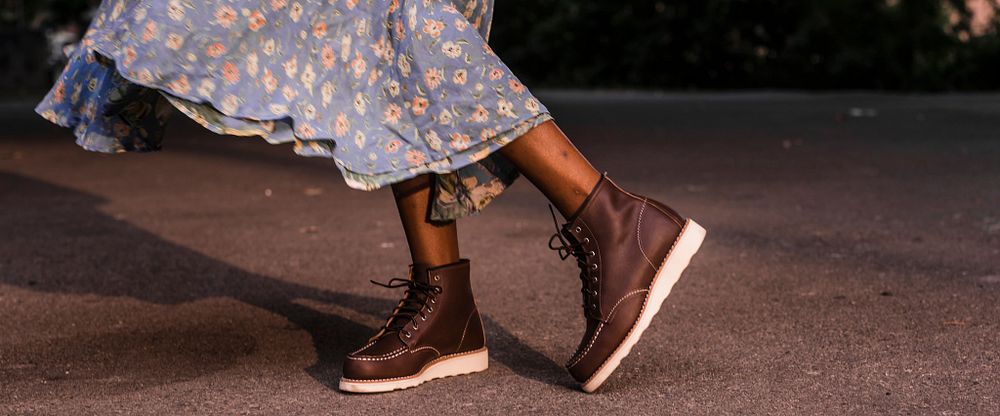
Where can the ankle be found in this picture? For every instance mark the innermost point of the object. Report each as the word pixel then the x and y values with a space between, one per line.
pixel 570 206
pixel 431 262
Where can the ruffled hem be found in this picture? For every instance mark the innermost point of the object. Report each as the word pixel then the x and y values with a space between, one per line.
pixel 124 109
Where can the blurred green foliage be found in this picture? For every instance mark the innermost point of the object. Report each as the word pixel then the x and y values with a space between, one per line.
pixel 720 44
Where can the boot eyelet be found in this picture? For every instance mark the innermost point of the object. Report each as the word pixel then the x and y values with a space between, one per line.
pixel 591 253
pixel 430 309
pixel 578 229
pixel 432 301
pixel 594 279
pixel 593 266
pixel 593 306
pixel 423 318
pixel 407 334
pixel 593 292
pixel 415 327
pixel 586 240
pixel 437 277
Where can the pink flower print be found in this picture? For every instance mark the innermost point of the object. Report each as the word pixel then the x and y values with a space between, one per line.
pixel 291 67
pixel 515 86
pixel 181 84
pixel 479 115
pixel 531 105
pixel 451 49
pixel 267 46
pixel 215 50
pixel 505 108
pixel 175 10
pixel 296 12
pixel 289 92
pixel 278 4
pixel 358 65
pixel 341 125
pixel 256 20
pixel 486 134
pixel 351 4
pixel 433 27
pixel 328 57
pixel 460 77
pixel 400 29
pixel 60 92
pixel 230 72
pixel 149 31
pixel 270 81
pixel 432 77
pixel 419 106
pixel 306 131
pixel 496 74
pixel 174 41
pixel 393 146
pixel 130 56
pixel 460 141
pixel 392 113
pixel 225 16
pixel 415 157
pixel 319 29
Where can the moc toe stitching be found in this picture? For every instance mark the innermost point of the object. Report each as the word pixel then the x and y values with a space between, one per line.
pixel 386 356
pixel 583 351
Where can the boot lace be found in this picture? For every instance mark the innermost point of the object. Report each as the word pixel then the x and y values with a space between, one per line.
pixel 575 249
pixel 418 298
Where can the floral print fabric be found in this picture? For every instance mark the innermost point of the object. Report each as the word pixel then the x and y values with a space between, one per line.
pixel 389 89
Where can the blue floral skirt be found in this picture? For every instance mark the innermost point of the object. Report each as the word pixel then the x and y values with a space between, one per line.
pixel 389 89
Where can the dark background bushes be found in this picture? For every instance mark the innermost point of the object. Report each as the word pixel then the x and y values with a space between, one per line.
pixel 923 45
pixel 901 45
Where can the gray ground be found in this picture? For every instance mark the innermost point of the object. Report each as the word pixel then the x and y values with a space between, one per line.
pixel 852 266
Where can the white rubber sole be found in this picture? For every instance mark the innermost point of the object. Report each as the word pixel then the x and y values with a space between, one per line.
pixel 446 366
pixel 670 271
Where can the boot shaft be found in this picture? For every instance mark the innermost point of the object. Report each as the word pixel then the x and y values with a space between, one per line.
pixel 617 229
pixel 450 322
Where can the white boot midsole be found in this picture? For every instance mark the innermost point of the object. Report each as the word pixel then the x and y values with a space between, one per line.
pixel 447 366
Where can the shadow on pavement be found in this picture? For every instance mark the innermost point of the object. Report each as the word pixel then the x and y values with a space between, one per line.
pixel 56 240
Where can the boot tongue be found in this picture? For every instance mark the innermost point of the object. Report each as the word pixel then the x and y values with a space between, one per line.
pixel 418 273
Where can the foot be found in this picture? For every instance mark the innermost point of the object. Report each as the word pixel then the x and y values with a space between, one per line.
pixel 631 250
pixel 434 332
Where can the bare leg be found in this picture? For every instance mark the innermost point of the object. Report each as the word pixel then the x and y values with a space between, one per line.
pixel 431 243
pixel 549 160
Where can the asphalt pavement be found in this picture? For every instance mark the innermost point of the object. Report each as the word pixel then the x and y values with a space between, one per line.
pixel 852 266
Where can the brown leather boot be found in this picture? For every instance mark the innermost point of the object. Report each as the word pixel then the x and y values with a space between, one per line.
pixel 434 332
pixel 631 250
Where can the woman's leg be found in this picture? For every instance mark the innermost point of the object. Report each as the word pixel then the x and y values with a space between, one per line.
pixel 549 160
pixel 431 243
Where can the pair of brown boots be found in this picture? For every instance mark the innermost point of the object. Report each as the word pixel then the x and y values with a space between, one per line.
pixel 630 250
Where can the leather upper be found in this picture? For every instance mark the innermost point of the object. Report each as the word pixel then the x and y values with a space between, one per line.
pixel 448 322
